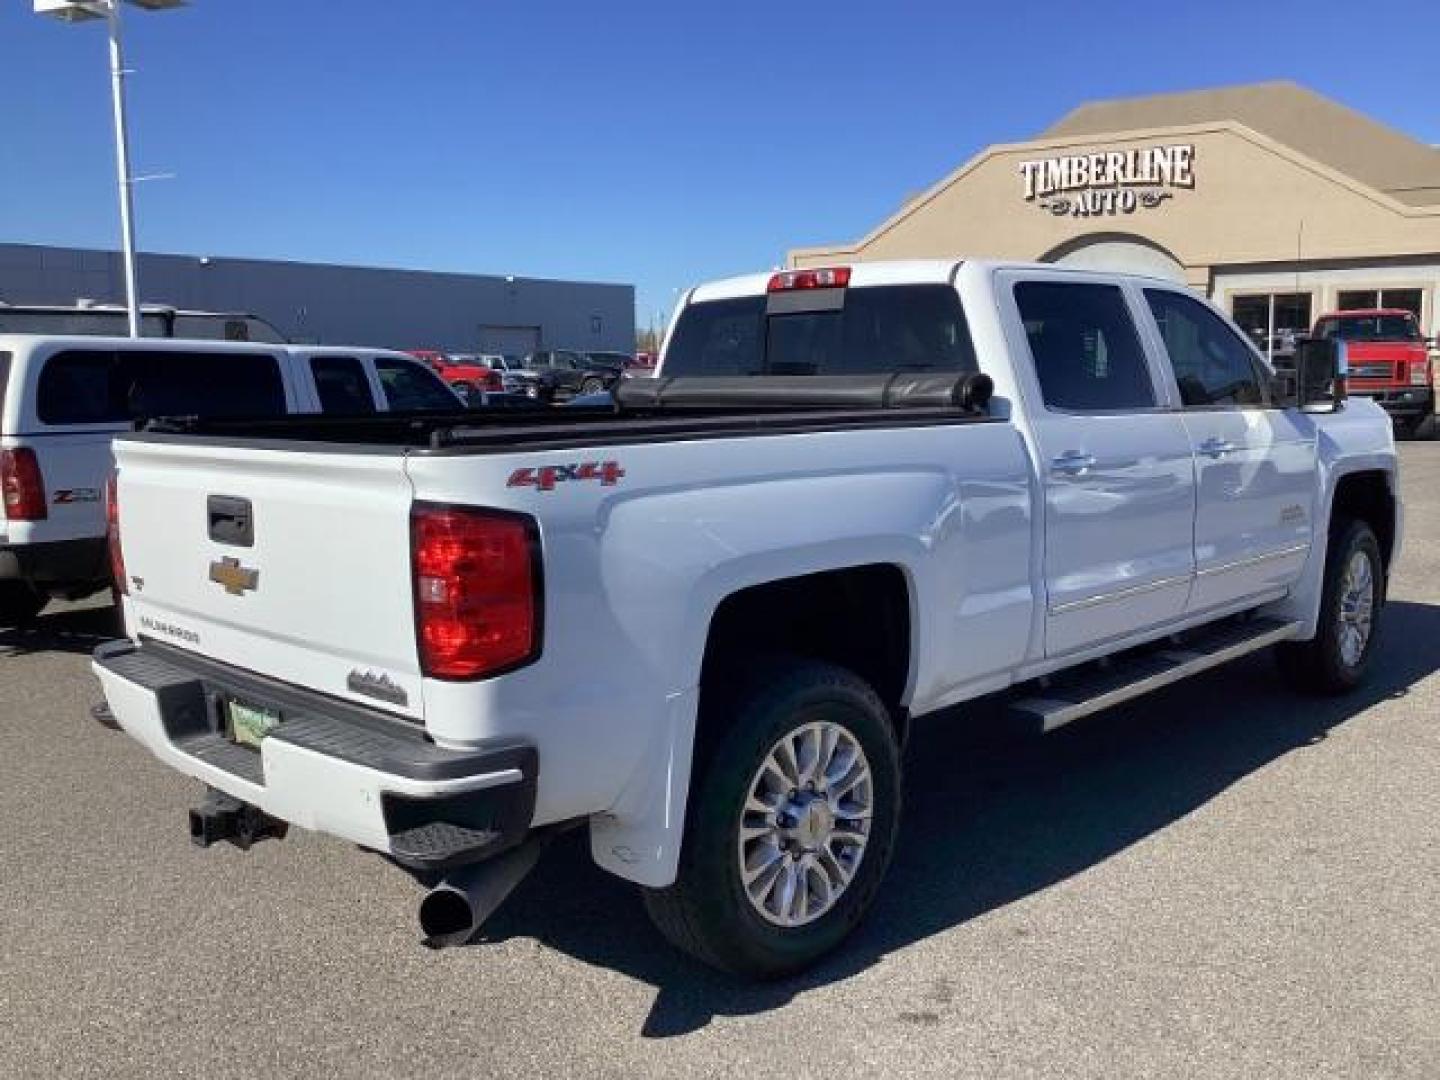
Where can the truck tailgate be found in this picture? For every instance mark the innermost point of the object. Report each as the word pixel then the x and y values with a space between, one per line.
pixel 289 562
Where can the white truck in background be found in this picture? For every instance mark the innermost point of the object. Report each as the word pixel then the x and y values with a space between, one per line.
pixel 702 622
pixel 64 397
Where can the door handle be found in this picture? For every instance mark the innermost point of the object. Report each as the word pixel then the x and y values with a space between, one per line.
pixel 1072 463
pixel 1217 447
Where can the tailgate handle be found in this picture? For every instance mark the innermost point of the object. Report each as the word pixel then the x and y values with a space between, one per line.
pixel 231 520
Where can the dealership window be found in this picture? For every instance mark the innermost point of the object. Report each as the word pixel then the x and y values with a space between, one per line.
pixel 1273 320
pixel 1362 299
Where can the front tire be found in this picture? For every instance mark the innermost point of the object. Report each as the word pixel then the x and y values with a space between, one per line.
pixel 1335 660
pixel 791 824
pixel 20 602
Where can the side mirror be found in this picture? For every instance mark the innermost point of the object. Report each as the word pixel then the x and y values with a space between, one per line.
pixel 1320 373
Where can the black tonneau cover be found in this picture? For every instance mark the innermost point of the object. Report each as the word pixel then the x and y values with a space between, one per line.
pixel 639 410
pixel 893 390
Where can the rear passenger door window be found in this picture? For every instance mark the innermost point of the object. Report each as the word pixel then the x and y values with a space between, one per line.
pixel 1213 366
pixel 342 386
pixel 409 387
pixel 1086 352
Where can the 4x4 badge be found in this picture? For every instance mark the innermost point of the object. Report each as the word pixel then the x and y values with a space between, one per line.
pixel 236 579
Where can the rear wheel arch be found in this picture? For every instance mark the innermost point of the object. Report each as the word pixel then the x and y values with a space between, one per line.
pixel 861 618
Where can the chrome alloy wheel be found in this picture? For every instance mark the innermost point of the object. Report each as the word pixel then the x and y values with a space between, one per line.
pixel 1357 608
pixel 805 824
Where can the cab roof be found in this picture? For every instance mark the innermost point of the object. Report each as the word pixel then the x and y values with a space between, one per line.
pixel 893 272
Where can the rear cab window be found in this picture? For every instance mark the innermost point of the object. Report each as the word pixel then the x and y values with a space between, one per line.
pixel 107 386
pixel 862 330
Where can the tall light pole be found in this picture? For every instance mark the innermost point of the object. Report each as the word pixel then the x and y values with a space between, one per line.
pixel 109 10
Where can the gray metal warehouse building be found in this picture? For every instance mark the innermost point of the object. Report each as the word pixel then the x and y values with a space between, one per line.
pixel 349 305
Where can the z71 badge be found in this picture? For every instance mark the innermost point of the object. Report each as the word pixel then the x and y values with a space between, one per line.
pixel 66 496
pixel 609 473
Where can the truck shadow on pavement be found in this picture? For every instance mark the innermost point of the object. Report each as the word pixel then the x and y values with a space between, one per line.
pixel 989 819
pixel 72 630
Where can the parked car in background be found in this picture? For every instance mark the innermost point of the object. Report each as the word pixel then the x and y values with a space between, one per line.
pixel 508 368
pixel 466 372
pixel 63 398
pixel 643 363
pixel 557 374
pixel 617 360
pixel 1389 362
pixel 156 321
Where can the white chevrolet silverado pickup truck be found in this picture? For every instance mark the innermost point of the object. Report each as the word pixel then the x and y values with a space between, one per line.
pixel 702 621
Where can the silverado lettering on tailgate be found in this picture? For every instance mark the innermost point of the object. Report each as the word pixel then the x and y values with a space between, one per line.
pixel 170 630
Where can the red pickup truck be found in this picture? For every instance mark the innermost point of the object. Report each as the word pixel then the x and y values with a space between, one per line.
pixel 1388 361
pixel 466 375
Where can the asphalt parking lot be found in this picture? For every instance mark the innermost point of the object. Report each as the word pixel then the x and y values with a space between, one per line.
pixel 1220 880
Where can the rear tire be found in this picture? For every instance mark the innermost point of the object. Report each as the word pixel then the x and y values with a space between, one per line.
pixel 823 866
pixel 20 602
pixel 1335 660
pixel 1424 428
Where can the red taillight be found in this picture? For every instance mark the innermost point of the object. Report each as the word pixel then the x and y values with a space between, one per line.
pixel 830 277
pixel 493 381
pixel 21 485
pixel 477 590
pixel 112 533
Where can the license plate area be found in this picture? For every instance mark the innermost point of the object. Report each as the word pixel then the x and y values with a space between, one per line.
pixel 247 724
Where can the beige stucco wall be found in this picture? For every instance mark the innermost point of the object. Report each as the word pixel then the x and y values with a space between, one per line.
pixel 1254 201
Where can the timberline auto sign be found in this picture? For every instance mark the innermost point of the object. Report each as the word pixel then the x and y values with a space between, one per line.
pixel 1113 182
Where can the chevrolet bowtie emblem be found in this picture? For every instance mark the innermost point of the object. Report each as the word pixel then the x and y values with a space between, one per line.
pixel 236 579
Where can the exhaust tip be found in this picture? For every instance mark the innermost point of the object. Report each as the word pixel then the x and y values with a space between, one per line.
pixel 446 917
pixel 453 911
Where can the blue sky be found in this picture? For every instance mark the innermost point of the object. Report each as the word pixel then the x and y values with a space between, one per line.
pixel 658 144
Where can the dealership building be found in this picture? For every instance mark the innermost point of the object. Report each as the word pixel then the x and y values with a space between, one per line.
pixel 1276 202
pixel 341 305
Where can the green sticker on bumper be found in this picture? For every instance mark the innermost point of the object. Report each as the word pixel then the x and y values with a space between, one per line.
pixel 249 725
